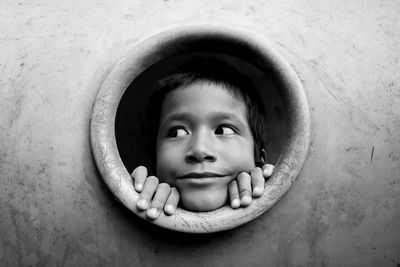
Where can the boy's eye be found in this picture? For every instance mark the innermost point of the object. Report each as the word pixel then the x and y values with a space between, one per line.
pixel 177 132
pixel 224 130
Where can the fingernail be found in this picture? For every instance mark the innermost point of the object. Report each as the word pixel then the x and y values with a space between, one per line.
pixel 235 203
pixel 169 209
pixel 142 204
pixel 246 200
pixel 139 187
pixel 152 213
pixel 258 191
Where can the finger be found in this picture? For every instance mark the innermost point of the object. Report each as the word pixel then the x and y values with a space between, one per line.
pixel 172 201
pixel 268 169
pixel 157 204
pixel 244 185
pixel 147 193
pixel 139 176
pixel 234 194
pixel 257 182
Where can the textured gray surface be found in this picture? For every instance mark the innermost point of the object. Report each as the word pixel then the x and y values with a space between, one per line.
pixel 343 209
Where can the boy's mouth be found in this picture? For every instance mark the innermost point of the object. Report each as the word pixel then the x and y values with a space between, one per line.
pixel 200 175
pixel 202 179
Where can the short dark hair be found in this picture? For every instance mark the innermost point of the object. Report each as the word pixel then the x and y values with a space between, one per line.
pixel 217 72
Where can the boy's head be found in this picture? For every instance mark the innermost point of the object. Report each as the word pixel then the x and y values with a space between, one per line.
pixel 206 126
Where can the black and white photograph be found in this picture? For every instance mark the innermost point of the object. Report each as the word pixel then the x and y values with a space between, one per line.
pixel 200 133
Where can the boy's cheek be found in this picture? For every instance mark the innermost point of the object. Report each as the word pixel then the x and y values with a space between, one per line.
pixel 166 165
pixel 241 161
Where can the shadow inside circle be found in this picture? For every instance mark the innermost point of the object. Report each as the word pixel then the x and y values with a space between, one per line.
pixel 130 123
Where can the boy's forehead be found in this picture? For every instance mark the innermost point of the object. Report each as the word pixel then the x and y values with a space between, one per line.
pixel 206 93
pixel 203 99
pixel 225 89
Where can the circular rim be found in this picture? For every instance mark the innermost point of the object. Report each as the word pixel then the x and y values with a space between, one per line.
pixel 200 38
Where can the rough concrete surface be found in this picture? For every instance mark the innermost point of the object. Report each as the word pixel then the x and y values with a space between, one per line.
pixel 344 208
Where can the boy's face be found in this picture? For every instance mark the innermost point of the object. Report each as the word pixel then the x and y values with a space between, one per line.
pixel 203 143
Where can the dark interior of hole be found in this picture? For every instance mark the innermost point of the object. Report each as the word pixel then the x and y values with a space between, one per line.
pixel 130 123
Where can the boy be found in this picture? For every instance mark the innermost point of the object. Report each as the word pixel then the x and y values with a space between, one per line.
pixel 207 141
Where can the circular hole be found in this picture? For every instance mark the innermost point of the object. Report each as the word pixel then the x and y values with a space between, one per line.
pixel 117 119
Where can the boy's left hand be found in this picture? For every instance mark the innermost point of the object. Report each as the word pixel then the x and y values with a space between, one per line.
pixel 248 185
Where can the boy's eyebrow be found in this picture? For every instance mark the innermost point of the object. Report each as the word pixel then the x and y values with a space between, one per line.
pixel 216 116
pixel 228 116
pixel 183 116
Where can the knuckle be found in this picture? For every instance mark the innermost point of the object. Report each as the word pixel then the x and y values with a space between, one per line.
pixel 152 180
pixel 139 172
pixel 256 172
pixel 232 184
pixel 243 175
pixel 257 181
pixel 141 168
pixel 244 191
pixel 145 195
pixel 156 203
pixel 234 196
pixel 164 187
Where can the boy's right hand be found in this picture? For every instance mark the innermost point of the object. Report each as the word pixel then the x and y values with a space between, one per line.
pixel 154 196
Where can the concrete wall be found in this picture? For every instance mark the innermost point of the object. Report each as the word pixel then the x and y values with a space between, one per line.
pixel 343 210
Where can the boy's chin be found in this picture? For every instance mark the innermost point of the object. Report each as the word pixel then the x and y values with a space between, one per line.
pixel 203 200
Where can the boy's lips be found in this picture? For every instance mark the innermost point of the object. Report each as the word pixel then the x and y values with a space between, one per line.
pixel 200 178
pixel 200 175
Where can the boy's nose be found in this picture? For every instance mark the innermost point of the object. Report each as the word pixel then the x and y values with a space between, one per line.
pixel 201 149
